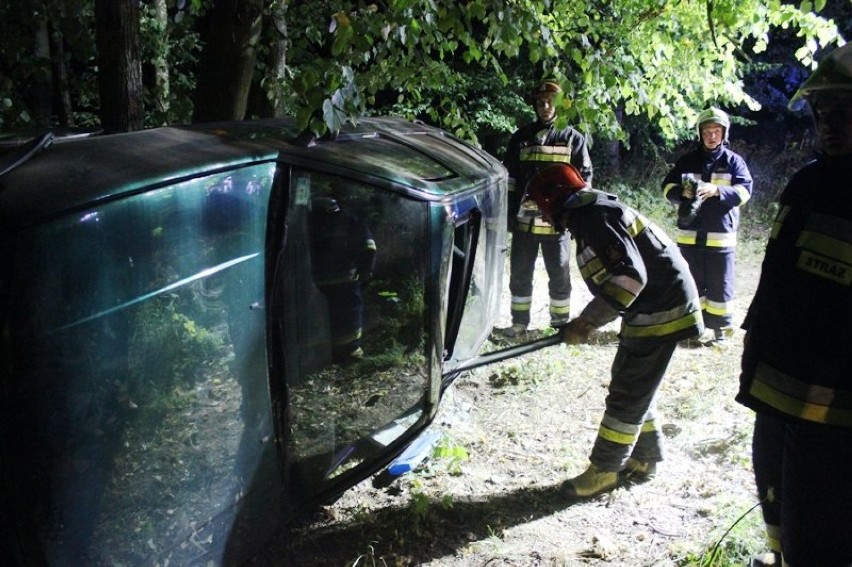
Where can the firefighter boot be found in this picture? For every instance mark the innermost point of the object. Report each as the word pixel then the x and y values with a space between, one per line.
pixel 515 331
pixel 639 470
pixel 723 334
pixel 591 482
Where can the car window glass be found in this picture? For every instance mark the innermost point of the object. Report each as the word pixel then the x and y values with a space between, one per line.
pixel 355 323
pixel 140 379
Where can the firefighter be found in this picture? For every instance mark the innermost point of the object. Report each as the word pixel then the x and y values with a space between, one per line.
pixel 530 148
pixel 796 359
pixel 343 256
pixel 709 184
pixel 634 271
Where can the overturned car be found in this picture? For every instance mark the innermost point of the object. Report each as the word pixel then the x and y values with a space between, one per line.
pixel 204 330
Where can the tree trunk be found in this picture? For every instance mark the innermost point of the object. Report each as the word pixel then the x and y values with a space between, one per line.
pixel 61 93
pixel 267 100
pixel 40 101
pixel 614 149
pixel 227 60
pixel 162 84
pixel 120 68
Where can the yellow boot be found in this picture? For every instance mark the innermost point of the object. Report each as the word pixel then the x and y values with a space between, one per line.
pixel 634 468
pixel 592 481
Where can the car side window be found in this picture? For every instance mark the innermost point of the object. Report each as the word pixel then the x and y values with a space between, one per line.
pixel 354 321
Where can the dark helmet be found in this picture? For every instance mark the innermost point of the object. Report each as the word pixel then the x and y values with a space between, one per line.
pixel 551 186
pixel 548 87
pixel 834 73
pixel 326 205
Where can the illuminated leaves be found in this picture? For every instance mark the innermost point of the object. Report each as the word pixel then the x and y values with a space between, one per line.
pixel 659 60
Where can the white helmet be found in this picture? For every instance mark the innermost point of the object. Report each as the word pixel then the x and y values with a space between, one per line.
pixel 716 116
pixel 833 73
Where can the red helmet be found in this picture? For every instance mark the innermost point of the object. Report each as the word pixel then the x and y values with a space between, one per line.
pixel 550 186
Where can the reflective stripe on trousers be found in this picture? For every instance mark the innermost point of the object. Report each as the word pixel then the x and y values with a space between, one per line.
pixel 629 426
pixel 556 253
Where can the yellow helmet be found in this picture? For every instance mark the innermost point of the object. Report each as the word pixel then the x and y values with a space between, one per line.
pixel 833 73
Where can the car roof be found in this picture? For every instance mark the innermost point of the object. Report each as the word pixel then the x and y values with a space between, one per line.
pixel 79 172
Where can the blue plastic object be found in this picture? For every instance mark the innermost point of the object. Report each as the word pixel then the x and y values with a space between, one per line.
pixel 411 458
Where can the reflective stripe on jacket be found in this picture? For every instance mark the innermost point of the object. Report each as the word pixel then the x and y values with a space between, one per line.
pixel 532 147
pixel 633 269
pixel 718 219
pixel 797 360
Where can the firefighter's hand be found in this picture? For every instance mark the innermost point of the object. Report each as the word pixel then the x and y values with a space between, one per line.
pixel 577 331
pixel 706 190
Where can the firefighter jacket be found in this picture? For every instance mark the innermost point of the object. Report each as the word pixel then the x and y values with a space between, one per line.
pixel 343 249
pixel 716 221
pixel 633 269
pixel 530 148
pixel 797 361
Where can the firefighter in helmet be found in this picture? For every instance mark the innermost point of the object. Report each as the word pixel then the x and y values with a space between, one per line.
pixel 532 147
pixel 796 358
pixel 709 184
pixel 343 256
pixel 634 272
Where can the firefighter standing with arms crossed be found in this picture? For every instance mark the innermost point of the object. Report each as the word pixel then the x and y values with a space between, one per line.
pixel 530 148
pixel 636 272
pixel 797 363
pixel 709 184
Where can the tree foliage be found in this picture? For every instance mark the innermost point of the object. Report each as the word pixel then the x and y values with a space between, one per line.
pixel 462 64
pixel 653 58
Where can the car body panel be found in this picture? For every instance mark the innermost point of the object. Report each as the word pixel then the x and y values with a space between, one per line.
pixel 171 383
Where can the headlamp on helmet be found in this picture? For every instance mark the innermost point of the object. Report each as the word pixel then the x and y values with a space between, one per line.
pixel 551 186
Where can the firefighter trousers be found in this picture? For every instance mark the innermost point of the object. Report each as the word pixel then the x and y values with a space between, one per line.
pixel 802 473
pixel 556 253
pixel 629 426
pixel 346 316
pixel 713 272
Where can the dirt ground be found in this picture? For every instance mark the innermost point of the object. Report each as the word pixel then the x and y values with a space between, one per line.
pixel 516 430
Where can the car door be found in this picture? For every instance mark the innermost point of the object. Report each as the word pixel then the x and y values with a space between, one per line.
pixel 350 327
pixel 379 289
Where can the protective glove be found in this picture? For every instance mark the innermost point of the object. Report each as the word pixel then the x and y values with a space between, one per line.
pixel 706 190
pixel 577 331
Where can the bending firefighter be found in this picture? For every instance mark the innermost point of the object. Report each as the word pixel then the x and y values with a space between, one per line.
pixel 709 184
pixel 532 147
pixel 635 272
